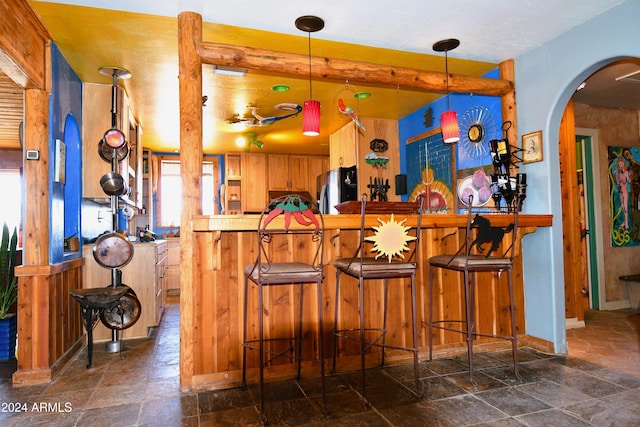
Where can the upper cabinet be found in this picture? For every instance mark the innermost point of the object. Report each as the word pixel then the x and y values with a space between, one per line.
pixel 248 190
pixel 343 146
pixel 97 119
pixel 349 145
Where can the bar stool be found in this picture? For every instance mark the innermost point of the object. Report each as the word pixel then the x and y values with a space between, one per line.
pixel 93 302
pixel 390 240
pixel 289 227
pixel 470 263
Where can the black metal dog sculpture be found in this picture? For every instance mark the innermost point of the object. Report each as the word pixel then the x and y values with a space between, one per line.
pixel 487 233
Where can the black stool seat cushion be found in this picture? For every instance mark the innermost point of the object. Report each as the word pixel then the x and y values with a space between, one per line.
pixel 372 267
pixel 471 262
pixel 284 272
pixel 99 297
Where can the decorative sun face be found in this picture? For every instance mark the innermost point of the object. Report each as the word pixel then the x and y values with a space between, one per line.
pixel 390 238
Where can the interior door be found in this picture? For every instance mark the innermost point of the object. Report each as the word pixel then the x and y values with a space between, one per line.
pixel 585 141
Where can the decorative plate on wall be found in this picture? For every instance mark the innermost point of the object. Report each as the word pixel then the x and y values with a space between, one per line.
pixel 477 127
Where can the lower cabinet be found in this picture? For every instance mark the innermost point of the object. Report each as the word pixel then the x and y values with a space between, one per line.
pixel 146 274
pixel 173 266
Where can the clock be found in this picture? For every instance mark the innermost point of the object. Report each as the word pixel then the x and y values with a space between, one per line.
pixel 477 126
pixel 475 133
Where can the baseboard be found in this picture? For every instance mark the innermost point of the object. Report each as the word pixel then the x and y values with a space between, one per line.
pixel 574 323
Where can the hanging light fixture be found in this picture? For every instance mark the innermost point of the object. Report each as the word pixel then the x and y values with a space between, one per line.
pixel 448 119
pixel 311 108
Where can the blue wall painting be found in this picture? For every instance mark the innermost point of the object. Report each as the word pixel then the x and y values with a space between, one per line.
pixel 624 190
pixel 430 171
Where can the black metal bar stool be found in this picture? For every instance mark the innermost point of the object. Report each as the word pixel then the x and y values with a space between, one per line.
pixel 390 240
pixel 470 262
pixel 290 252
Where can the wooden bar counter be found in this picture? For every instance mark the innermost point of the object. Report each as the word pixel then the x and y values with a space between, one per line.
pixel 223 245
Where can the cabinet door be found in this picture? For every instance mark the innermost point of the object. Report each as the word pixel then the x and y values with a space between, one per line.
pixel 233 202
pixel 343 146
pixel 278 172
pixel 299 173
pixel 255 185
pixel 317 166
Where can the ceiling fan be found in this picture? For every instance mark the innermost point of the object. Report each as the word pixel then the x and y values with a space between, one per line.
pixel 256 120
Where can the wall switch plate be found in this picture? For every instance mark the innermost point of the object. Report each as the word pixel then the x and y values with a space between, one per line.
pixel 33 155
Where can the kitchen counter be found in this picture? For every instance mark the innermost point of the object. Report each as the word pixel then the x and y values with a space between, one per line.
pixel 223 245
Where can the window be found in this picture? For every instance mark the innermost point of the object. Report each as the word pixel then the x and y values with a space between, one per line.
pixel 11 192
pixel 170 191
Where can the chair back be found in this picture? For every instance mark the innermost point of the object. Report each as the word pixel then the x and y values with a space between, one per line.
pixel 293 215
pixel 391 239
pixel 486 234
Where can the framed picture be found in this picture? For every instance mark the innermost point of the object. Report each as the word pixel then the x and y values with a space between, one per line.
pixel 532 147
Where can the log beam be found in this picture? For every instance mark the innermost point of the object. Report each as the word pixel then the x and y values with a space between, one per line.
pixel 331 69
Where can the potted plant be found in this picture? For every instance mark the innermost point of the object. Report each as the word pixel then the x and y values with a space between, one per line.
pixel 8 293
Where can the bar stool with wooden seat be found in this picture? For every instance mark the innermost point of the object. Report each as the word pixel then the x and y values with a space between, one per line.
pixel 290 240
pixel 391 239
pixel 470 262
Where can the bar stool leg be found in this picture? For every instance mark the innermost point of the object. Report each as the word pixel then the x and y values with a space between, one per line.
pixel 335 322
pixel 514 336
pixel 469 306
pixel 430 313
pixel 244 334
pixel 261 351
pixel 321 346
pixel 415 336
pixel 298 339
pixel 362 340
pixel 384 318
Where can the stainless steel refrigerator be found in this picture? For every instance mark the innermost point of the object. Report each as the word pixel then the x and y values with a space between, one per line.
pixel 336 186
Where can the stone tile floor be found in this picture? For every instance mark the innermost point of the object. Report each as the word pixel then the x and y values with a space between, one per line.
pixel 597 384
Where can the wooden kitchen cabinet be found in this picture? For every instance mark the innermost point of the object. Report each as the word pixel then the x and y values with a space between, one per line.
pixel 278 176
pixel 146 274
pixel 96 111
pixel 290 173
pixel 257 174
pixel 255 185
pixel 173 266
pixel 232 197
pixel 343 147
pixel 349 145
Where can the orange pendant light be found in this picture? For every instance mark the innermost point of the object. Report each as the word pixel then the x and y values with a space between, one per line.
pixel 311 109
pixel 448 119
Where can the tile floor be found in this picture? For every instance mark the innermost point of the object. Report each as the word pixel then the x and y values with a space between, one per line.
pixel 598 384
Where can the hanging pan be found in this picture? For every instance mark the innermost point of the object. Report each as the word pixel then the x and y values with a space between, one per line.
pixel 107 153
pixel 124 314
pixel 113 250
pixel 113 184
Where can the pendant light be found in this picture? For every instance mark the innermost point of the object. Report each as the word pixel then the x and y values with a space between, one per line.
pixel 448 119
pixel 311 108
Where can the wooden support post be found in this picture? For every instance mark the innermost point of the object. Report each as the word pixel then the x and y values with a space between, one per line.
pixel 190 76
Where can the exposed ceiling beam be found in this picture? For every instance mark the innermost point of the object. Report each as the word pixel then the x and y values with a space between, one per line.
pixel 297 65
